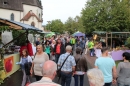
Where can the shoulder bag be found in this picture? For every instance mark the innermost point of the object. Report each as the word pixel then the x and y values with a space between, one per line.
pixel 59 70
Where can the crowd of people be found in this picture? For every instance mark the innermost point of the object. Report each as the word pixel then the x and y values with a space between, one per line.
pixel 66 53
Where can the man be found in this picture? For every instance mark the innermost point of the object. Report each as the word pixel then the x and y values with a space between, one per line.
pixel 73 41
pixel 68 68
pixel 49 73
pixel 91 47
pixel 58 49
pixel 38 41
pixel 95 77
pixel 107 65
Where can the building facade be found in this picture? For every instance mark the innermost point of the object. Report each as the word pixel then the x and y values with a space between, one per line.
pixel 24 11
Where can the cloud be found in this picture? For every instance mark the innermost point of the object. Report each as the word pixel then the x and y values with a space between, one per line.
pixel 61 9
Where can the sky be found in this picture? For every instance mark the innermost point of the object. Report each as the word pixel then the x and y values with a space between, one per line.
pixel 61 9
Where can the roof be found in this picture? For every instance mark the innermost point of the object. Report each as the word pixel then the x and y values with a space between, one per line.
pixel 104 32
pixel 28 15
pixel 18 4
pixel 18 25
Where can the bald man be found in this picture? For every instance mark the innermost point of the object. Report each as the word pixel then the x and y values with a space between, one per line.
pixel 49 73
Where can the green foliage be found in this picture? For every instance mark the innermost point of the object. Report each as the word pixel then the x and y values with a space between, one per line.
pixel 1 68
pixel 20 41
pixel 4 28
pixel 74 24
pixel 128 42
pixel 55 26
pixel 106 15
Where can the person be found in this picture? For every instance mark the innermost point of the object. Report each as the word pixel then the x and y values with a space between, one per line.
pixel 123 71
pixel 68 68
pixel 38 42
pixel 86 46
pixel 58 49
pixel 81 67
pixel 39 59
pixel 107 65
pixel 24 59
pixel 97 49
pixel 52 50
pixel 49 72
pixel 67 42
pixel 73 41
pixel 48 48
pixel 95 77
pixel 91 47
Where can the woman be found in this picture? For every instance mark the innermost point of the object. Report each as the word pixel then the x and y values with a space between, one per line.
pixel 52 50
pixel 97 49
pixel 38 62
pixel 123 71
pixel 81 67
pixel 24 59
pixel 48 48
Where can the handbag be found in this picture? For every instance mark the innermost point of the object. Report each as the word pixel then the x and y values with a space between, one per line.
pixel 59 70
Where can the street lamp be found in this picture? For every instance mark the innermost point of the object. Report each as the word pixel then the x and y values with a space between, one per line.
pixel 49 24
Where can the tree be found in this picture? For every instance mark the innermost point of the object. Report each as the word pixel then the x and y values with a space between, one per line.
pixel 55 26
pixel 74 24
pixel 106 15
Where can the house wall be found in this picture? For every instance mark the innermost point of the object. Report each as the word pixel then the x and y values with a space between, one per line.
pixel 5 13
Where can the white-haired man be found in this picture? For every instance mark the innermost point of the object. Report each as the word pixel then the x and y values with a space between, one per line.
pixel 49 73
pixel 68 67
pixel 95 77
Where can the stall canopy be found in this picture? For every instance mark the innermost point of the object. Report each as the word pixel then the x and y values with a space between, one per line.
pixel 17 25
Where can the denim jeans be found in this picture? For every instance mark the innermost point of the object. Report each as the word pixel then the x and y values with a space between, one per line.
pixel 81 80
pixel 108 84
pixel 57 57
pixel 66 78
pixel 92 52
pixel 119 84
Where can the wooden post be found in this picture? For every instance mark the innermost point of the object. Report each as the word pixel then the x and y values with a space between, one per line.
pixel 111 39
pixel 106 39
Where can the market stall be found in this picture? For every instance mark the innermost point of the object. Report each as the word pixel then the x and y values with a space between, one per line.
pixel 111 38
pixel 9 53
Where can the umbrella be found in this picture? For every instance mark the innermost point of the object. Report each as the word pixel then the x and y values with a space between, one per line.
pixel 79 34
pixel 50 34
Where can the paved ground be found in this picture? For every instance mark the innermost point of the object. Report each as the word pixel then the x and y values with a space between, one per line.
pixel 16 78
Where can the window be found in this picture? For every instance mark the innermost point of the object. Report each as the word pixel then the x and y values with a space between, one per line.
pixel 39 16
pixel 12 17
pixel 5 3
pixel 33 24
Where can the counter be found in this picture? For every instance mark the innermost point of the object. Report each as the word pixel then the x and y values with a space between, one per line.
pixel 10 64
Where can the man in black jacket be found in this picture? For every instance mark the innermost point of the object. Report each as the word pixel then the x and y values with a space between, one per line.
pixel 58 49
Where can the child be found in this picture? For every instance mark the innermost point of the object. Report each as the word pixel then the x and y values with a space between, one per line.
pixel 25 58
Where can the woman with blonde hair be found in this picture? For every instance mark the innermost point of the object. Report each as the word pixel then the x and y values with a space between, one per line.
pixel 39 59
pixel 95 77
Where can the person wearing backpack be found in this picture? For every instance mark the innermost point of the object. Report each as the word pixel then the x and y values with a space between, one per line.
pixel 81 67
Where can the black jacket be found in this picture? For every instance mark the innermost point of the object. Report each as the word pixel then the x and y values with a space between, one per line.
pixel 27 66
pixel 62 48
